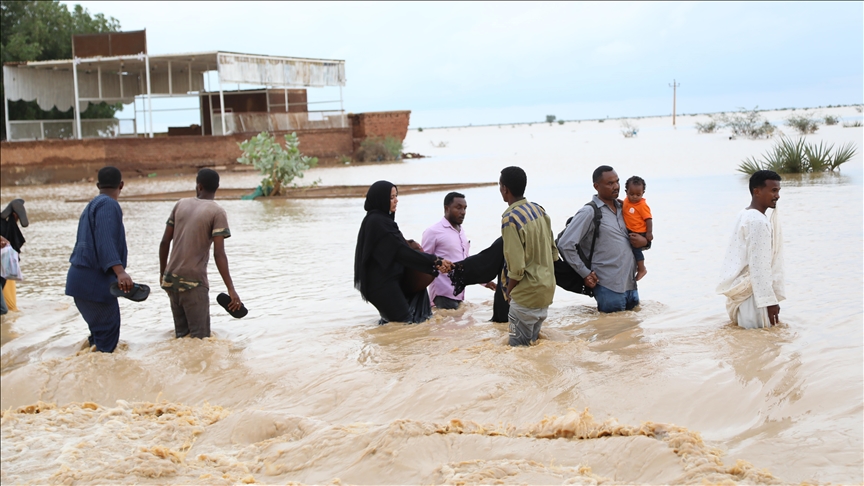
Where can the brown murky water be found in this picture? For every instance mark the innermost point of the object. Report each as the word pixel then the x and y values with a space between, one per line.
pixel 308 389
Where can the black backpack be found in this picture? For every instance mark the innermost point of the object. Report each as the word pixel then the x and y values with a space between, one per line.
pixel 565 276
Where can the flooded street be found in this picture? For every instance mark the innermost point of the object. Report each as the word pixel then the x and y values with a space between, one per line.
pixel 308 388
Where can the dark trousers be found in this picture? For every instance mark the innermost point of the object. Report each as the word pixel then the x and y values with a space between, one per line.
pixel 103 319
pixel 637 252
pixel 191 310
pixel 442 302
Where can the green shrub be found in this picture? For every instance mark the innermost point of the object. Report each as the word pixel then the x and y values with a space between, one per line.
pixel 560 122
pixel 746 123
pixel 710 126
pixel 377 149
pixel 279 166
pixel 831 120
pixel 804 123
pixel 855 124
pixel 797 157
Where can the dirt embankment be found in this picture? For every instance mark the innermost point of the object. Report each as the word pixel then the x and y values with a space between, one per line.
pixel 318 192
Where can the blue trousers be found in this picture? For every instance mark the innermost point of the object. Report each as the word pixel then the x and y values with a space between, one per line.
pixel 103 319
pixel 610 301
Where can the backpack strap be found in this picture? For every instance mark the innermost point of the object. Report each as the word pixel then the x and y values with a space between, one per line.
pixel 597 217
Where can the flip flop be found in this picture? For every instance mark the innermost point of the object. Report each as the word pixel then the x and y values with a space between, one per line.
pixel 139 292
pixel 224 300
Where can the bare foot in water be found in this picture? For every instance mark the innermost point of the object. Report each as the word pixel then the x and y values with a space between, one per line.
pixel 641 271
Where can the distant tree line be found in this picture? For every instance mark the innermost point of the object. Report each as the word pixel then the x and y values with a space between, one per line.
pixel 42 31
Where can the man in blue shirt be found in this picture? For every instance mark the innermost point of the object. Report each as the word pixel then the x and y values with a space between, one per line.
pixel 98 260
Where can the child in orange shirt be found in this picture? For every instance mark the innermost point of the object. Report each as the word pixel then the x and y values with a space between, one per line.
pixel 637 217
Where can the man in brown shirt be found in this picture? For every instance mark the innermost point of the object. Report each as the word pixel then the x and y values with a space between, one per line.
pixel 194 224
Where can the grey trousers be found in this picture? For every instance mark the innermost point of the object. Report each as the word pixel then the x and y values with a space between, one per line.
pixel 525 323
pixel 191 310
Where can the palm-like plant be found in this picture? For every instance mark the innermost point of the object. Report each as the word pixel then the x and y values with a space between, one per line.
pixel 842 155
pixel 789 156
pixel 818 157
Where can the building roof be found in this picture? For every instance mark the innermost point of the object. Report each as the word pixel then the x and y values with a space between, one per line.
pixel 121 78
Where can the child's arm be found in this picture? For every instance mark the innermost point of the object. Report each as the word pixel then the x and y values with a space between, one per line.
pixel 649 229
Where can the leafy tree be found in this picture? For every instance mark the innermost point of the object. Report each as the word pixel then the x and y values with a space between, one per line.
pixel 278 166
pixel 42 31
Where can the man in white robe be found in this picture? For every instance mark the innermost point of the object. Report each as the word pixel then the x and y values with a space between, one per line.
pixel 752 274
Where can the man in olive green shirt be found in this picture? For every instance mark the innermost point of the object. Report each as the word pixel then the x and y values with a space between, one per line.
pixel 529 253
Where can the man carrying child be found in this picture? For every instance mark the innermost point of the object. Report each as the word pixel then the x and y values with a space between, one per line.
pixel 612 275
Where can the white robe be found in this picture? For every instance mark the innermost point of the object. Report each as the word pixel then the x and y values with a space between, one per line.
pixel 752 272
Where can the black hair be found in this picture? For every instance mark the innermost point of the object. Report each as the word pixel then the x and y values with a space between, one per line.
pixel 109 177
pixel 636 181
pixel 448 199
pixel 760 176
pixel 514 178
pixel 209 179
pixel 598 172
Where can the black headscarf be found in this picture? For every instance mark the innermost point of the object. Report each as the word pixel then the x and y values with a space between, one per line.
pixel 378 229
pixel 9 226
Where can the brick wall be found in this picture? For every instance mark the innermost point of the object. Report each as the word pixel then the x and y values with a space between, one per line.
pixel 379 124
pixel 73 160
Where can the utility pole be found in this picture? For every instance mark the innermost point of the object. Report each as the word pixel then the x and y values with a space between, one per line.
pixel 674 87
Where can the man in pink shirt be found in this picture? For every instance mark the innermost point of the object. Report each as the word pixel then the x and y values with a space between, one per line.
pixel 447 239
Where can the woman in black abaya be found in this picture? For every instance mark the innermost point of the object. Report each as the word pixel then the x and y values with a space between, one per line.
pixel 383 262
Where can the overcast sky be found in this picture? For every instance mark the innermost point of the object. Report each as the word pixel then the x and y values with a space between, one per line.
pixel 461 63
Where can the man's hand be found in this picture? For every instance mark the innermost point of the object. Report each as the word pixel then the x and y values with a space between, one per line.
pixel 638 241
pixel 491 286
pixel 235 300
pixel 445 266
pixel 649 236
pixel 3 242
pixel 511 284
pixel 591 280
pixel 124 281
pixel 774 314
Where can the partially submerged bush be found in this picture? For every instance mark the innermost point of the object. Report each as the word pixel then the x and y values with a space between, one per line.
pixel 804 123
pixel 376 149
pixel 747 123
pixel 710 126
pixel 279 166
pixel 629 130
pixel 797 157
pixel 831 120
pixel 855 124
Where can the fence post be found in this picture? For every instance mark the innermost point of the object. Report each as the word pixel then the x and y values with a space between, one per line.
pixel 77 106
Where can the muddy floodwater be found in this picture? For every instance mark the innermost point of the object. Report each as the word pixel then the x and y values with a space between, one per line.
pixel 307 388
